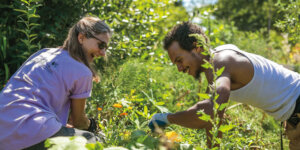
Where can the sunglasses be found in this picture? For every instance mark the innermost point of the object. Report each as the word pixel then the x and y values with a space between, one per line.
pixel 102 45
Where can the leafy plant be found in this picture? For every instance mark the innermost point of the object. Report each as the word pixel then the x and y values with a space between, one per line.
pixel 3 51
pixel 28 14
pixel 290 23
pixel 215 120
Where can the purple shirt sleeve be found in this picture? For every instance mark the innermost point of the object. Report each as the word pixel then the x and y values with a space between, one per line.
pixel 82 88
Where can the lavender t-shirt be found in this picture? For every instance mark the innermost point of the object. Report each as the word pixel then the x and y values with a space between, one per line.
pixel 35 102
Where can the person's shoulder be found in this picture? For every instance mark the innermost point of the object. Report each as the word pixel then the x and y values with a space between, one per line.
pixel 226 58
pixel 72 66
pixel 225 53
pixel 226 47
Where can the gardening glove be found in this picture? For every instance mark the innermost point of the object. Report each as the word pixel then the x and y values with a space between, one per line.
pixel 159 120
pixel 93 125
pixel 94 128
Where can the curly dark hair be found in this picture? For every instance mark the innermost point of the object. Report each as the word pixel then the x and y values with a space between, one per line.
pixel 180 33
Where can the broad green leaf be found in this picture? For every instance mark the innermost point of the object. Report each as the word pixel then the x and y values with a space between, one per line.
pixel 216 97
pixel 225 128
pixel 67 143
pixel 220 71
pixel 92 2
pixel 206 65
pixel 216 106
pixel 94 146
pixel 146 110
pixel 140 113
pixel 205 117
pixel 204 96
pixel 223 106
pixel 205 53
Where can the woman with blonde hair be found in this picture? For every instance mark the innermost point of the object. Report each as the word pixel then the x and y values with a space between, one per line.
pixel 52 85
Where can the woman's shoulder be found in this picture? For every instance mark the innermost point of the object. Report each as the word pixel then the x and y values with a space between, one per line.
pixel 71 66
pixel 58 61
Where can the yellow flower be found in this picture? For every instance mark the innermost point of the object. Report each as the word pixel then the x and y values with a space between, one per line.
pixel 117 106
pixel 126 134
pixel 179 104
pixel 173 136
pixel 129 107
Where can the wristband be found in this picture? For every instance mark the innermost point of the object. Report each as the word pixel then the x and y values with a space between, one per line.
pixel 93 125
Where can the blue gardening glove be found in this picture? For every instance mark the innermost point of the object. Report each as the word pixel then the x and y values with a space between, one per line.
pixel 159 120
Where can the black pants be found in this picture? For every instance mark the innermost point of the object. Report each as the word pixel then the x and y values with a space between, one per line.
pixel 64 131
pixel 294 119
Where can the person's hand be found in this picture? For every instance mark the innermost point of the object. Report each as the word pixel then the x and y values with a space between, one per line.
pixel 70 122
pixel 69 125
pixel 159 120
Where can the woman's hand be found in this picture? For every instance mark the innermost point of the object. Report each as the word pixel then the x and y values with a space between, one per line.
pixel 69 126
pixel 70 122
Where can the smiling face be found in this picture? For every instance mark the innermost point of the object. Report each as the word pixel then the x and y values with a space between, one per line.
pixel 187 62
pixel 94 46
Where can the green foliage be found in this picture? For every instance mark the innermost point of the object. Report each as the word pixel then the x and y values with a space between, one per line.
pixel 222 32
pixel 215 120
pixel 4 71
pixel 137 26
pixel 201 42
pixel 291 21
pixel 16 47
pixel 66 143
pixel 28 13
pixel 142 88
pixel 249 15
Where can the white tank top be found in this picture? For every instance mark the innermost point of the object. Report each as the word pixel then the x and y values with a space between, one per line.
pixel 273 88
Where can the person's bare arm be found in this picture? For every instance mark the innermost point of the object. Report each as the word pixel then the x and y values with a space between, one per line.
pixel 78 115
pixel 189 117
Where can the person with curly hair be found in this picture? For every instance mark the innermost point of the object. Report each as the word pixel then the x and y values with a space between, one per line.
pixel 247 78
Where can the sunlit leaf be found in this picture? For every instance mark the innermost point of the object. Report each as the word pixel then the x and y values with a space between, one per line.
pixel 225 128
pixel 223 106
pixel 204 96
pixel 220 71
pixel 160 103
pixel 206 65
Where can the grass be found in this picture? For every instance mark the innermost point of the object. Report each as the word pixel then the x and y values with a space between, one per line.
pixel 125 102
